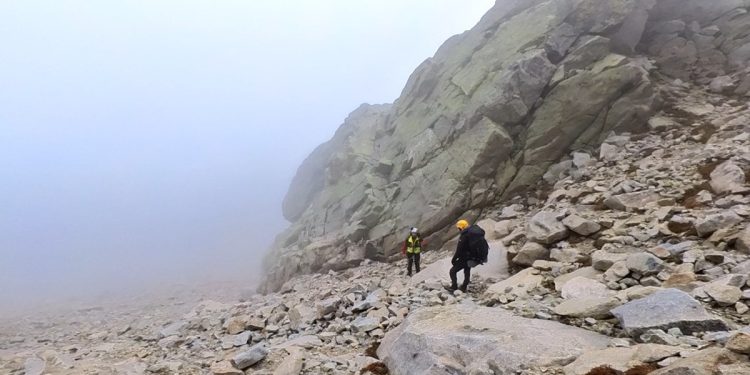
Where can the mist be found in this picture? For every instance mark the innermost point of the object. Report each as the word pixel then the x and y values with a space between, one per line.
pixel 151 143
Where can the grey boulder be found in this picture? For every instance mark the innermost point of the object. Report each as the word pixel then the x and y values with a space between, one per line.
pixel 255 354
pixel 581 226
pixel 545 228
pixel 467 338
pixel 644 263
pixel 669 308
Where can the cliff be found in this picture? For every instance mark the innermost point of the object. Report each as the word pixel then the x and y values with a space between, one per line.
pixel 486 117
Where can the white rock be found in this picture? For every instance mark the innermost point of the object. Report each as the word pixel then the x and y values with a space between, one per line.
pixel 584 287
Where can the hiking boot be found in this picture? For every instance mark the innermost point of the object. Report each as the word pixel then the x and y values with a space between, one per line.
pixel 463 288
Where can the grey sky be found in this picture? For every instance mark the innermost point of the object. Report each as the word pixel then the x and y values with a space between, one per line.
pixel 154 140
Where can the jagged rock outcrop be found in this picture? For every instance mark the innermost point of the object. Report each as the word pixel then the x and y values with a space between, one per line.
pixel 486 117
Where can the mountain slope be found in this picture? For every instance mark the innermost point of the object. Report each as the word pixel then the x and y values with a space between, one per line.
pixel 484 119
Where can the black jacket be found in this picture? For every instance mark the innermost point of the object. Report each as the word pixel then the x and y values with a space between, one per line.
pixel 462 248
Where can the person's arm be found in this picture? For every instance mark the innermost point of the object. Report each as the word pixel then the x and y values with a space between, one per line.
pixel 457 253
pixel 462 249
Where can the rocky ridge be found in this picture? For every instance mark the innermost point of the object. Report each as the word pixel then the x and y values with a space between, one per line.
pixel 638 259
pixel 486 117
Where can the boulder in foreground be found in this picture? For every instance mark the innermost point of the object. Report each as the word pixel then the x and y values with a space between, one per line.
pixel 469 338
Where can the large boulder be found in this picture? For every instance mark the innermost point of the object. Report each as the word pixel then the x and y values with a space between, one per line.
pixel 466 338
pixel 669 308
pixel 546 228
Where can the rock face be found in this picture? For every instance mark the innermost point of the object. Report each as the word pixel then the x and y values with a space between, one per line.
pixel 492 111
pixel 462 339
pixel 482 119
pixel 670 308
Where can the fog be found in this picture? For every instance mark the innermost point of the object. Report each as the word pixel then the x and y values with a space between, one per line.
pixel 149 143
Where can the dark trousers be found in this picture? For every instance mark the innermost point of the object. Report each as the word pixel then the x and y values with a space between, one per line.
pixel 467 275
pixel 412 258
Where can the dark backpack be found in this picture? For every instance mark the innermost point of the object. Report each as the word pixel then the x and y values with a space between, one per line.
pixel 478 246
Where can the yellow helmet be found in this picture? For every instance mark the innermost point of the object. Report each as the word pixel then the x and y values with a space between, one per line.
pixel 462 224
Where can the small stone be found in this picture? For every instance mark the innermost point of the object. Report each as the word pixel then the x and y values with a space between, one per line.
pixel 660 252
pixel 584 287
pixel 714 257
pixel 728 178
pixel 235 325
pixel 725 295
pixel 714 222
pixel 734 369
pixel 594 307
pixel 301 316
pixel 636 201
pixel 668 361
pixel 657 336
pixel 172 329
pixel 720 337
pixel 545 228
pixel 619 343
pixel 580 225
pixel 248 358
pixel 602 260
pixel 529 253
pixel 722 84
pixel 327 306
pixel 256 324
pixel 743 241
pixel 650 281
pixel 741 308
pixel 225 368
pixel 364 324
pixel 608 152
pixel 291 365
pixel 676 332
pixel 739 343
pixel 543 315
pixel 34 366
pixel 680 224
pixel 644 263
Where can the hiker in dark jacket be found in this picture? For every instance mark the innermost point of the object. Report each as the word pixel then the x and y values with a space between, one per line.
pixel 461 258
